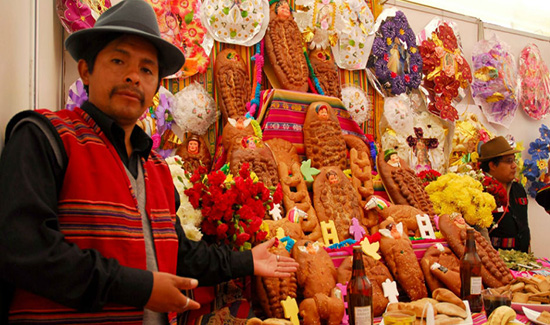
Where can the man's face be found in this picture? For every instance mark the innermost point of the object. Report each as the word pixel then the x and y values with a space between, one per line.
pixel 124 80
pixel 505 170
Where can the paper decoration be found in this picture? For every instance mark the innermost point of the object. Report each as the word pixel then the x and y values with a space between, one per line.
pixel 241 22
pixel 80 14
pixel 446 71
pixel 194 109
pixel 535 83
pixel 357 103
pixel 390 290
pixel 494 84
pixel 354 23
pixel 316 19
pixel 344 292
pixel 394 65
pixel 371 249
pixel 425 226
pixel 179 23
pixel 356 230
pixel 290 308
pixel 330 235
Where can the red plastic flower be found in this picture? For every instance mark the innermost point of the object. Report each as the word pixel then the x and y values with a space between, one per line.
pixel 77 16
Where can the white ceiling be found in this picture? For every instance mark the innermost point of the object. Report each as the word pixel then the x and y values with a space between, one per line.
pixel 529 16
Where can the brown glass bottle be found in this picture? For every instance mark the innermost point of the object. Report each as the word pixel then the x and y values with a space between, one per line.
pixel 359 292
pixel 470 274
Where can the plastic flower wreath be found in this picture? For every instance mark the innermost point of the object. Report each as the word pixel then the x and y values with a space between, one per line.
pixel 233 208
pixel 536 169
pixel 535 83
pixel 463 194
pixel 395 64
pixel 190 218
pixel 77 95
pixel 445 71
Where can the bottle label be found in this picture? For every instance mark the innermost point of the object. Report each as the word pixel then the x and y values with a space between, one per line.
pixel 475 285
pixel 363 315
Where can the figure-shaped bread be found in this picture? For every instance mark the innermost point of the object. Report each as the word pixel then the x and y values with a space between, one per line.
pixel 271 290
pixel 326 71
pixel 334 198
pixel 234 131
pixel 316 277
pixel 284 151
pixel 402 184
pixel 194 152
pixel 283 45
pixel 253 151
pixel 323 139
pixel 361 179
pixel 353 141
pixel 233 83
pixel 441 268
pixel 494 272
pixel 296 195
pixel 396 248
pixel 376 272
pixel 403 213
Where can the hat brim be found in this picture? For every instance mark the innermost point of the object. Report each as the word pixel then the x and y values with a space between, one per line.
pixel 171 58
pixel 507 152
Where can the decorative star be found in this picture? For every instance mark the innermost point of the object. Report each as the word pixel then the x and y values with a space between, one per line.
pixel 370 249
pixel 308 171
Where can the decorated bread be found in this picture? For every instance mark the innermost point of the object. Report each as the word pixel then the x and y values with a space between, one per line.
pixel 334 198
pixel 402 184
pixel 194 152
pixel 234 131
pixel 283 45
pixel 326 71
pixel 233 83
pixel 396 248
pixel 353 141
pixel 271 290
pixel 284 151
pixel 253 151
pixel 361 179
pixel 405 214
pixel 296 196
pixel 494 272
pixel 323 140
pixel 441 268
pixel 376 272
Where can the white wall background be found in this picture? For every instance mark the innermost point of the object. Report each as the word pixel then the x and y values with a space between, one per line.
pixel 35 72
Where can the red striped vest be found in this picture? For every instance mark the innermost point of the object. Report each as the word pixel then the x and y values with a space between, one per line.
pixel 98 209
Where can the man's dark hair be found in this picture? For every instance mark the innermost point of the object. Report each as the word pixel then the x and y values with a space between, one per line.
pixel 485 165
pixel 98 44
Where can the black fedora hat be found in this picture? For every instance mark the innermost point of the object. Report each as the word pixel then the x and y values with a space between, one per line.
pixel 129 17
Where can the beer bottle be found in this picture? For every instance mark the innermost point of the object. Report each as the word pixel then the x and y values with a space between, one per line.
pixel 470 274
pixel 359 292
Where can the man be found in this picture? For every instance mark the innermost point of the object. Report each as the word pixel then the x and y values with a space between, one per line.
pixel 510 228
pixel 88 232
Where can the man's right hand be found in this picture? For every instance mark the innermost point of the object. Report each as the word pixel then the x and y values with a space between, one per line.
pixel 166 295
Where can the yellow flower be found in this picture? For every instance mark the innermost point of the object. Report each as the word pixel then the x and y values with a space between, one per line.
pixel 388 41
pixel 542 164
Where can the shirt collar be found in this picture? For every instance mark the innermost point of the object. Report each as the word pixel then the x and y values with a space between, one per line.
pixel 141 142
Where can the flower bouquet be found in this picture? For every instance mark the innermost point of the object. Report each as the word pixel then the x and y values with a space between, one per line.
pixel 233 208
pixel 445 68
pixel 463 194
pixel 535 83
pixel 536 169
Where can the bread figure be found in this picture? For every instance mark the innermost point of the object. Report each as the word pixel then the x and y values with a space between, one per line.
pixel 323 140
pixel 284 151
pixel 253 151
pixel 283 45
pixel 396 248
pixel 402 184
pixel 316 278
pixel 194 152
pixel 326 71
pixel 334 198
pixel 403 213
pixel 234 131
pixel 441 268
pixel 270 291
pixel 361 179
pixel 376 272
pixel 233 83
pixel 296 196
pixel 494 272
